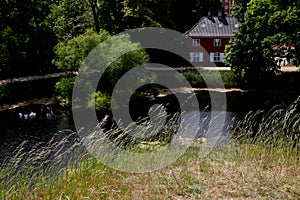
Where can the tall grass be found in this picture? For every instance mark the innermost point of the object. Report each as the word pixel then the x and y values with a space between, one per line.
pixel 41 163
pixel 278 127
pixel 262 161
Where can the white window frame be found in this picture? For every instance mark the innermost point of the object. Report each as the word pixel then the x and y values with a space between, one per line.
pixel 217 57
pixel 196 42
pixel 196 57
pixel 217 42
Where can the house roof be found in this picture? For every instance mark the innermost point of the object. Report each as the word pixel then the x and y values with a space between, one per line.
pixel 214 27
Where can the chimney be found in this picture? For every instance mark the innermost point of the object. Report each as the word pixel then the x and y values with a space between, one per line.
pixel 220 14
pixel 209 15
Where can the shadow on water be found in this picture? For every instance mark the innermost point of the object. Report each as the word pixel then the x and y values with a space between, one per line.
pixel 33 124
pixel 40 123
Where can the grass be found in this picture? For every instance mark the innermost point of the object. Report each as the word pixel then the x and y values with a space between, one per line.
pixel 260 162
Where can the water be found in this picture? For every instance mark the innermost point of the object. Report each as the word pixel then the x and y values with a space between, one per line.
pixel 33 124
pixel 38 124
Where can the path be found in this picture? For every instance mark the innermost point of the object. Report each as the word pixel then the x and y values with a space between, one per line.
pixel 31 78
pixel 283 69
pixel 53 75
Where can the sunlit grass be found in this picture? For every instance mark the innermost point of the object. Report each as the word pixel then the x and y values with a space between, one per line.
pixel 261 162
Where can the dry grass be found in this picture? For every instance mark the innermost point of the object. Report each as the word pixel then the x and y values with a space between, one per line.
pixel 264 167
pixel 239 172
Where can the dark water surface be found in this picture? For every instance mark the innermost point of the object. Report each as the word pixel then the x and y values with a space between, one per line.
pixel 40 123
pixel 34 124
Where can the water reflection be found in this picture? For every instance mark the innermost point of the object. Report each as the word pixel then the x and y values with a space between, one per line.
pixel 35 124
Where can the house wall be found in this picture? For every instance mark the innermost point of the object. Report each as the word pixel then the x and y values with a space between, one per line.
pixel 213 53
pixel 208 45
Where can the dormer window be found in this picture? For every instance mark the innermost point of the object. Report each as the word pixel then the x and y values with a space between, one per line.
pixel 217 42
pixel 196 42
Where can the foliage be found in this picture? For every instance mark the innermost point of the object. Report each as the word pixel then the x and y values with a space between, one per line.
pixel 63 90
pixel 70 55
pixel 192 11
pixel 266 24
pixel 239 8
pixel 140 13
pixel 4 93
pixel 100 101
pixel 196 79
pixel 69 18
pixel 30 29
pixel 26 40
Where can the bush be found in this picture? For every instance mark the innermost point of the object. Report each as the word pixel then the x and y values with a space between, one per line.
pixel 196 79
pixel 4 93
pixel 70 57
pixel 63 90
pixel 100 101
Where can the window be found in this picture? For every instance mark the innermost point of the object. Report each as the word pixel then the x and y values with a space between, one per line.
pixel 216 57
pixel 196 42
pixel 217 42
pixel 196 57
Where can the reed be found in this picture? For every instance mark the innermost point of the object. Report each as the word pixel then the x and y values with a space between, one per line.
pixel 260 161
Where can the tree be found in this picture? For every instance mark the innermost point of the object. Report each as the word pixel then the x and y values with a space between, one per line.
pixel 140 13
pixel 70 57
pixel 26 40
pixel 267 23
pixel 71 54
pixel 239 8
pixel 185 14
pixel 70 18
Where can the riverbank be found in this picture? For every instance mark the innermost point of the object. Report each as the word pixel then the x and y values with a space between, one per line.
pixel 32 78
pixel 258 159
pixel 27 89
pixel 42 101
pixel 236 171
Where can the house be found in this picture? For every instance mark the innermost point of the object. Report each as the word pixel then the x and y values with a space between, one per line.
pixel 211 34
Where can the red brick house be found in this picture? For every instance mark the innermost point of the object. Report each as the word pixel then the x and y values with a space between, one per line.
pixel 211 34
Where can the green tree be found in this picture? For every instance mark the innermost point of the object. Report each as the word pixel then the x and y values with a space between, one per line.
pixel 70 18
pixel 239 8
pixel 140 13
pixel 70 57
pixel 267 23
pixel 185 14
pixel 26 40
pixel 71 54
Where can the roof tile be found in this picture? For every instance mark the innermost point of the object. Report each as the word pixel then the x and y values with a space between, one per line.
pixel 214 27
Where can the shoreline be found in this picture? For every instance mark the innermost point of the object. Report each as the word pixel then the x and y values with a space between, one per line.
pixel 41 101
